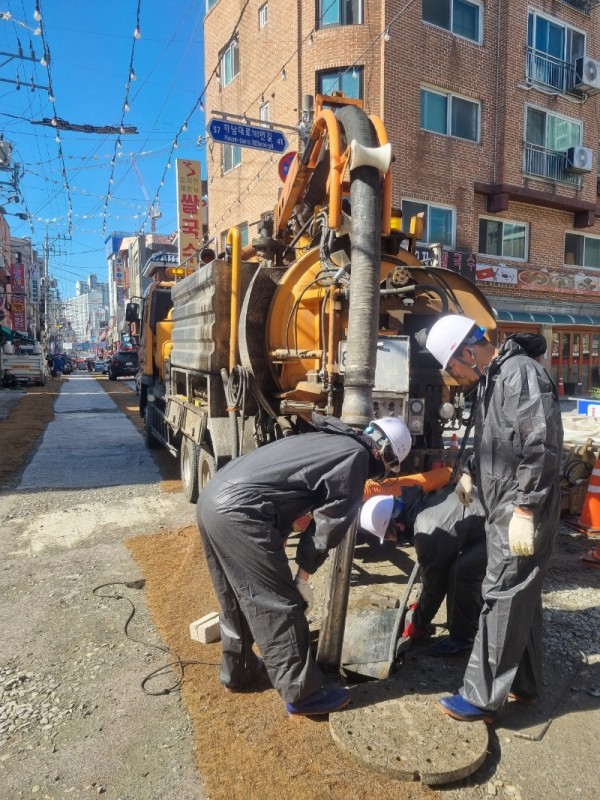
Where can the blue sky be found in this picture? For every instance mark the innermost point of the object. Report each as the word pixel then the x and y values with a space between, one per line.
pixel 90 46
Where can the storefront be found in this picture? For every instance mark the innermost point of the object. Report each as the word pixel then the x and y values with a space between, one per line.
pixel 575 344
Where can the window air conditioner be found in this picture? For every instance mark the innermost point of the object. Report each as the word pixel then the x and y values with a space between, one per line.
pixel 587 74
pixel 579 159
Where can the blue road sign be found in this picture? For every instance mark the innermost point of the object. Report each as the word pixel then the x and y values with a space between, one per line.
pixel 247 136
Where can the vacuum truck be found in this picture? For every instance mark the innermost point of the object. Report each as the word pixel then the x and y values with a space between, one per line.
pixel 324 312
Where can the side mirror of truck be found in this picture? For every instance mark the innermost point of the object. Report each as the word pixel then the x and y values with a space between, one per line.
pixel 132 312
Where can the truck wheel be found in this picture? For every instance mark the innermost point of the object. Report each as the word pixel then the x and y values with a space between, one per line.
pixel 152 443
pixel 207 467
pixel 188 461
pixel 111 376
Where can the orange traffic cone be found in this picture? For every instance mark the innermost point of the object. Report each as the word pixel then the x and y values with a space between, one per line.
pixel 589 521
pixel 592 557
pixel 561 387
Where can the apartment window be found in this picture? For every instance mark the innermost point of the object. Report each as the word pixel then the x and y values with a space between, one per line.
pixel 582 251
pixel 551 52
pixel 339 12
pixel 263 15
pixel 501 238
pixel 230 63
pixel 232 157
pixel 449 115
pixel 460 17
pixel 243 228
pixel 438 225
pixel 547 139
pixel 347 80
pixel 264 112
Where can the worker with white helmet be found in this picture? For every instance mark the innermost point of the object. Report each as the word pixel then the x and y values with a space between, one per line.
pixel 245 515
pixel 449 541
pixel 515 465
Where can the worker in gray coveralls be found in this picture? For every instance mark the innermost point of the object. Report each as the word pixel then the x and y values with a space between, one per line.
pixel 515 465
pixel 245 515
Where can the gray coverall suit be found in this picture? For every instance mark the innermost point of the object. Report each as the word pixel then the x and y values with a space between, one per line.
pixel 449 540
pixel 246 513
pixel 516 462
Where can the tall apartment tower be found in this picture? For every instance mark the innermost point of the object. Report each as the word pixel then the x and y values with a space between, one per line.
pixel 492 108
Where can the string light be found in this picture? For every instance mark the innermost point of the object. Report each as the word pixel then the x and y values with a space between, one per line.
pixel 37 14
pixel 132 75
pixel 283 74
pixel 137 34
pixel 387 35
pixel 44 60
pixel 126 107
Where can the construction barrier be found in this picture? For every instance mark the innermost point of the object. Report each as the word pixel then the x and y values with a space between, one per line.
pixel 589 521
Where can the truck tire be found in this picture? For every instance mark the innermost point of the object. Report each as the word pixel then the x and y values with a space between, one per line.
pixel 189 456
pixel 207 467
pixel 152 443
pixel 111 375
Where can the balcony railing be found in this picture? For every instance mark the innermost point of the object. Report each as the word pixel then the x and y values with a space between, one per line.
pixel 585 6
pixel 549 164
pixel 549 71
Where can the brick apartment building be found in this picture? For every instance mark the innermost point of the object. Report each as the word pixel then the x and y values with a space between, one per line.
pixel 492 110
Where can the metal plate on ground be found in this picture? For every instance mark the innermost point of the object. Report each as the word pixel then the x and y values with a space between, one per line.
pixel 394 731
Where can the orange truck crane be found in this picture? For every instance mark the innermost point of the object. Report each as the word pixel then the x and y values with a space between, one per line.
pixel 322 313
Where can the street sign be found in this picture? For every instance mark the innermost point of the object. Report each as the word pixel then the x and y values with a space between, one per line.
pixel 285 162
pixel 247 136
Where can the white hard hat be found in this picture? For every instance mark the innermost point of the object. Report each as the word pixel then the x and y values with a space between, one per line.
pixel 397 434
pixel 376 513
pixel 446 336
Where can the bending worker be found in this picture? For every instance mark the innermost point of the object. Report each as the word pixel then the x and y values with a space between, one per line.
pixel 515 465
pixel 245 515
pixel 449 541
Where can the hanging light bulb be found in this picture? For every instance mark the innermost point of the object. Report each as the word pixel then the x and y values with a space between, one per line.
pixel 57 140
pixel 311 39
pixel 50 98
pixel 137 34
pixel 162 183
pixel 168 165
pixel 126 107
pixel 184 126
pixel 37 14
pixel 175 144
pixel 283 74
pixel 132 75
pixel 54 122
pixel 354 73
pixel 44 60
pixel 119 145
pixel 387 35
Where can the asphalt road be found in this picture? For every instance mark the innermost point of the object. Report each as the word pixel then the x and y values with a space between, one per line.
pixel 74 722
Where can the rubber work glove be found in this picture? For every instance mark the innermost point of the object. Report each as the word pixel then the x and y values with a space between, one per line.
pixel 464 489
pixel 306 591
pixel 521 532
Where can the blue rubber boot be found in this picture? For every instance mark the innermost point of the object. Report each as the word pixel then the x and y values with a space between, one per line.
pixel 459 708
pixel 323 701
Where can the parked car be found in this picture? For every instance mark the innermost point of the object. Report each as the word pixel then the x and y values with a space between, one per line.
pixel 106 365
pixel 99 366
pixel 124 364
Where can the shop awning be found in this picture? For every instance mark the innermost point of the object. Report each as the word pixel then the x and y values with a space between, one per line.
pixel 6 333
pixel 541 318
